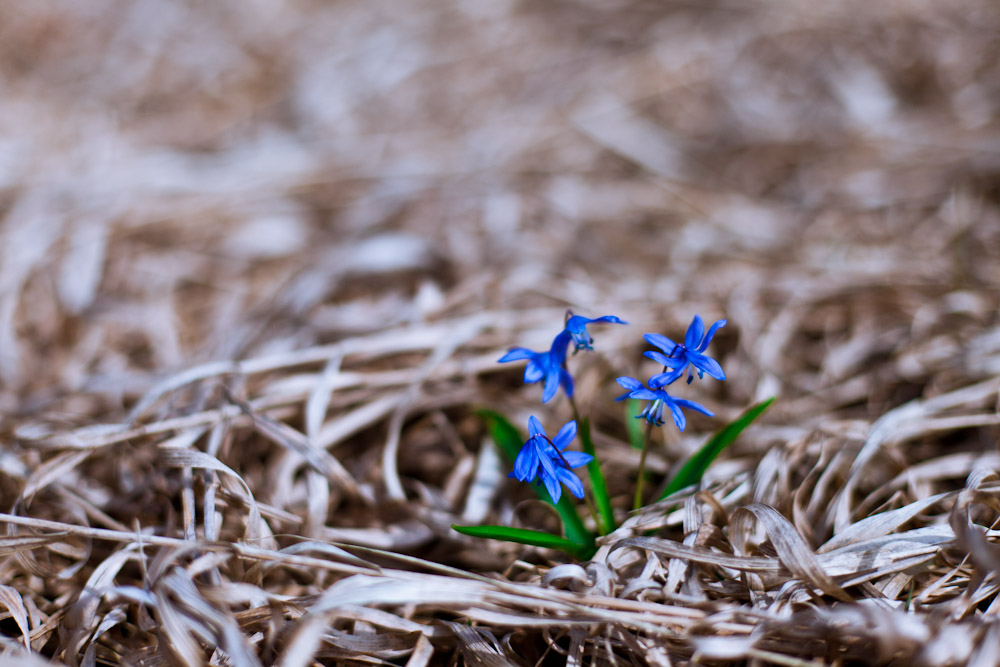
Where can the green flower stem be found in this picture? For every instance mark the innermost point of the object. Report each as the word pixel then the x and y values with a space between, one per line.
pixel 605 515
pixel 641 479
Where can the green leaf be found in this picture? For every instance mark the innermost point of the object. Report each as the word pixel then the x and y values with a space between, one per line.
pixel 524 536
pixel 504 434
pixel 509 440
pixel 636 429
pixel 694 468
pixel 605 515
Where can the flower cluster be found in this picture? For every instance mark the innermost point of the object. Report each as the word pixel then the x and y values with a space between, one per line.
pixel 540 457
pixel 676 358
pixel 547 460
pixel 551 365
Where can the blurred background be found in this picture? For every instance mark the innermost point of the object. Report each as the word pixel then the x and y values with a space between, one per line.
pixel 420 185
pixel 185 181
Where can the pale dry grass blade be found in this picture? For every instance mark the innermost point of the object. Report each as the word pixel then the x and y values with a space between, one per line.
pixel 14 604
pixel 880 524
pixel 259 264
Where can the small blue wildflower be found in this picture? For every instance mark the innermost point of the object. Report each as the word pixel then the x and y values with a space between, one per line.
pixel 545 459
pixel 576 325
pixel 546 365
pixel 653 413
pixel 679 357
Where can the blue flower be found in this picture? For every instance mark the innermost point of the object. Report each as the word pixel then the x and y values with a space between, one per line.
pixel 659 399
pixel 687 356
pixel 576 325
pixel 546 365
pixel 545 459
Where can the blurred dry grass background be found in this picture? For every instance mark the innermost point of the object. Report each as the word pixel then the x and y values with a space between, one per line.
pixel 261 257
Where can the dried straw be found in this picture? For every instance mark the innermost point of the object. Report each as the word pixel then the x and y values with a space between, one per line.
pixel 258 260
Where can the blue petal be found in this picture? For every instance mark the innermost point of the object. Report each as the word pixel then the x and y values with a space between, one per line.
pixel 567 382
pixel 691 405
pixel 565 435
pixel 516 353
pixel 678 361
pixel 711 333
pixel 644 394
pixel 551 384
pixel 694 333
pixel 577 459
pixel 557 352
pixel 545 459
pixel 707 364
pixel 578 324
pixel 526 463
pixel 552 486
pixel 533 372
pixel 663 379
pixel 572 482
pixel 629 383
pixel 679 417
pixel 660 341
pixel 535 427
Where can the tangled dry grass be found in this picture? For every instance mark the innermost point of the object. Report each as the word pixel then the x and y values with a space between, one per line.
pixel 259 259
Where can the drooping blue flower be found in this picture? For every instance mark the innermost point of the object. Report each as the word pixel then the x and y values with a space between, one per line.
pixel 546 365
pixel 576 325
pixel 659 399
pixel 688 356
pixel 546 460
pixel 550 365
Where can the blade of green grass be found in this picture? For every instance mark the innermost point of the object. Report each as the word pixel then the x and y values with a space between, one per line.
pixel 605 515
pixel 524 536
pixel 694 468
pixel 509 440
pixel 636 430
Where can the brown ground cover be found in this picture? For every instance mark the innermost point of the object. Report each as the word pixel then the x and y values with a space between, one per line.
pixel 258 261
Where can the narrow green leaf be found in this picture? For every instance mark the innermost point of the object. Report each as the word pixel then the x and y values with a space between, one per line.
pixel 509 440
pixel 524 536
pixel 504 434
pixel 636 427
pixel 694 468
pixel 605 515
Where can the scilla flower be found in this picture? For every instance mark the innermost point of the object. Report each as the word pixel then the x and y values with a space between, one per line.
pixel 659 399
pixel 576 325
pixel 688 356
pixel 546 460
pixel 546 365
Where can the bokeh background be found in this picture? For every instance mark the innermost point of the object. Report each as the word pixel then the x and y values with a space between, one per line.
pixel 259 206
pixel 184 182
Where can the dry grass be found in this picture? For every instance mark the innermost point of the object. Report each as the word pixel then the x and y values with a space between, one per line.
pixel 259 259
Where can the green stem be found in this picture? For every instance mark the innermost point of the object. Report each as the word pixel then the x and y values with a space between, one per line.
pixel 605 515
pixel 637 503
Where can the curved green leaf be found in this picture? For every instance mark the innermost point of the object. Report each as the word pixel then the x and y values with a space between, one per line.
pixel 509 440
pixel 694 468
pixel 636 427
pixel 524 536
pixel 605 515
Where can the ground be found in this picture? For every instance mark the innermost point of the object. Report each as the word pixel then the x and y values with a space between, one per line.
pixel 262 257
